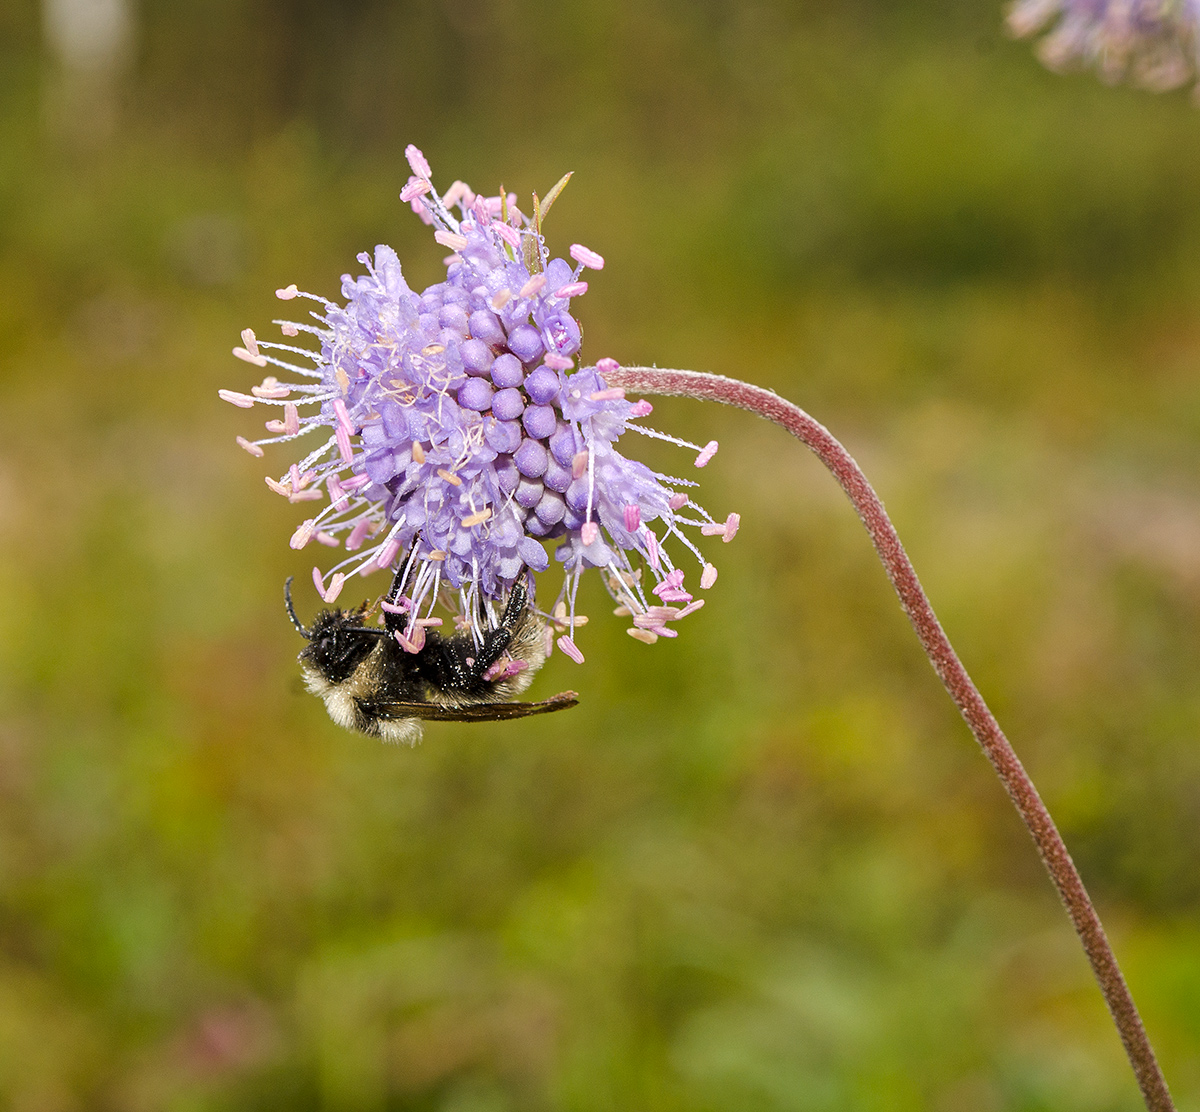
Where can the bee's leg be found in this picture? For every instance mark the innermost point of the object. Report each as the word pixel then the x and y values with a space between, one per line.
pixel 393 622
pixel 465 663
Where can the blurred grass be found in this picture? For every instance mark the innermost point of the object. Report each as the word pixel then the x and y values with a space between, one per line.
pixel 761 867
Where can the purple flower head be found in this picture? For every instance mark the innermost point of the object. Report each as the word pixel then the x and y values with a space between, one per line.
pixel 454 428
pixel 1152 42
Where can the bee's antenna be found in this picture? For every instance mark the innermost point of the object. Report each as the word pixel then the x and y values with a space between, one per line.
pixel 287 594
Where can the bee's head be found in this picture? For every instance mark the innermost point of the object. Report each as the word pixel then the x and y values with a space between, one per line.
pixel 338 642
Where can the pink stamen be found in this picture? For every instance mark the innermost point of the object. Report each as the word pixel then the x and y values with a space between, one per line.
pixel 677 501
pixel 414 189
pixel 278 488
pixel 249 340
pixel 343 416
pixel 335 587
pixel 459 191
pixel 413 645
pixel 242 401
pixel 557 362
pixel 327 539
pixel 449 477
pixel 568 646
pixel 505 669
pixel 691 608
pixel 343 443
pixel 428 622
pixel 274 426
pixel 389 552
pixel 731 526
pixel 673 594
pixel 418 162
pixel 500 299
pixel 607 365
pixel 641 408
pixel 271 389
pixel 354 482
pixel 476 518
pixel 589 533
pixel 708 576
pixel 647 637
pixel 298 484
pixel 652 549
pixel 402 605
pixel 249 446
pixel 305 496
pixel 706 453
pixel 509 234
pixel 288 292
pixel 450 239
pixel 533 286
pixel 418 453
pixel 633 518
pixel 289 329
pixel 579 463
pixel 713 529
pixel 612 394
pixel 571 289
pixel 336 495
pixel 587 256
pixel 319 581
pixel 357 535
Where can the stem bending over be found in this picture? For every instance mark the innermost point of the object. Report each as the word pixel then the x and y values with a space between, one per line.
pixel 765 403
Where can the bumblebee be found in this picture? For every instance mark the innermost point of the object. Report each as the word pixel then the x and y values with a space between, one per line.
pixel 370 683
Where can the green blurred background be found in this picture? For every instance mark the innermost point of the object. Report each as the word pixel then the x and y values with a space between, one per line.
pixel 762 867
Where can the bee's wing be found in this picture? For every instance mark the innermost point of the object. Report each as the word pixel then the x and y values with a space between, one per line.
pixel 476 712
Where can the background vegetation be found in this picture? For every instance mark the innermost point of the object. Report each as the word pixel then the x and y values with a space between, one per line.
pixel 762 867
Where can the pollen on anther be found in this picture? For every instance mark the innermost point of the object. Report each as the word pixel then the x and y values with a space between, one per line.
pixel 476 518
pixel 589 533
pixel 335 587
pixel 579 465
pixel 677 500
pixel 418 452
pixel 289 329
pixel 706 453
pixel 242 401
pixel 569 647
pixel 533 285
pixel 327 539
pixel 449 477
pixel 358 534
pixel 709 576
pixel 287 293
pixel 731 526
pixel 587 256
pixel 501 299
pixel 633 518
pixel 451 239
pixel 249 446
pixel 304 534
pixel 249 340
pixel 643 635
pixel 291 419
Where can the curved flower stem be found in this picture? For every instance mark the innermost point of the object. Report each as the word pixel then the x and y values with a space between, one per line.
pixel 766 403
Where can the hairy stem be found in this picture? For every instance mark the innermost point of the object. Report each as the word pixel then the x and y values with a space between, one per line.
pixel 765 403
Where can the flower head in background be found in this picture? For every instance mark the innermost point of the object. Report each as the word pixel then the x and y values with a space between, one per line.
pixel 454 427
pixel 1150 42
